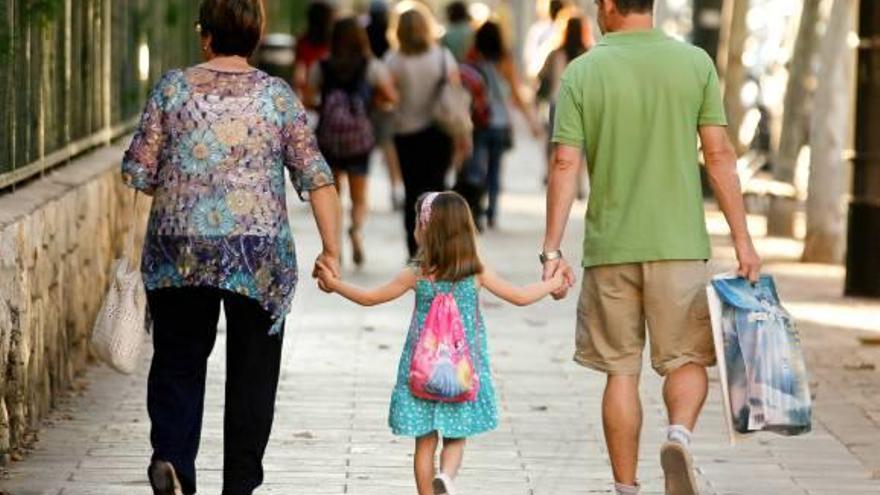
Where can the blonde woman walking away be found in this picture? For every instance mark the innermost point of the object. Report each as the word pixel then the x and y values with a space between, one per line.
pixel 424 151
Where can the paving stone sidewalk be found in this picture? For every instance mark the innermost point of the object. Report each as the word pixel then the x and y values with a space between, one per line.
pixel 330 434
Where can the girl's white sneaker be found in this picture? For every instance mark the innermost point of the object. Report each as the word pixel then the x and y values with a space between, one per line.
pixel 443 485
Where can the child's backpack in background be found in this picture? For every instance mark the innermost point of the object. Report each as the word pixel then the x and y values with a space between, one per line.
pixel 475 84
pixel 442 368
pixel 344 126
pixel 761 363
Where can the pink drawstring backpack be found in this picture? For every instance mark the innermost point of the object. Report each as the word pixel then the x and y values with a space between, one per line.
pixel 442 368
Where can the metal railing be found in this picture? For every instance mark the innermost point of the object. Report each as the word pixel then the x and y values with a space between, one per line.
pixel 75 73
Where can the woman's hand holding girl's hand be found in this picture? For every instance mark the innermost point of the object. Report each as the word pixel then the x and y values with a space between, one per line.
pixel 327 279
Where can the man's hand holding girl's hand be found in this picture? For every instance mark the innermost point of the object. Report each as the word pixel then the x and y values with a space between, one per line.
pixel 558 282
pixel 559 267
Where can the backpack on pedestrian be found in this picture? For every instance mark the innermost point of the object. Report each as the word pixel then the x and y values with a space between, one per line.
pixel 473 80
pixel 344 126
pixel 471 179
pixel 442 368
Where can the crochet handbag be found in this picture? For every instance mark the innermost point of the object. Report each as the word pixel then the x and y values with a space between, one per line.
pixel 442 367
pixel 120 328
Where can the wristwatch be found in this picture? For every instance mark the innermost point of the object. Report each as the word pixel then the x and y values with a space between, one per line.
pixel 552 255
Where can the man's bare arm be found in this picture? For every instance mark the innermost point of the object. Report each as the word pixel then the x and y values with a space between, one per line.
pixel 561 192
pixel 720 161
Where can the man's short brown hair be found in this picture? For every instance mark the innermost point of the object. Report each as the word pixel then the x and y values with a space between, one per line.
pixel 235 26
pixel 634 6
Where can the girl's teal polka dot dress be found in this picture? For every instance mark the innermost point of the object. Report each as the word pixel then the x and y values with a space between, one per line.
pixel 414 417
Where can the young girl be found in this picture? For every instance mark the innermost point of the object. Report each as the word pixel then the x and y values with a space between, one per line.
pixel 447 262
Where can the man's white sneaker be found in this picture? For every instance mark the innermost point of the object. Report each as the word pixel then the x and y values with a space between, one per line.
pixel 678 469
pixel 443 485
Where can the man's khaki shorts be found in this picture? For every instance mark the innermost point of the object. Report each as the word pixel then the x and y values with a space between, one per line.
pixel 617 300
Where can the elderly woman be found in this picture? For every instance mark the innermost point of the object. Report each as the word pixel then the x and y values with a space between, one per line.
pixel 211 149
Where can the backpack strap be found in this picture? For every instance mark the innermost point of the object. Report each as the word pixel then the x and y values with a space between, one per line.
pixel 477 325
pixel 444 75
pixel 437 291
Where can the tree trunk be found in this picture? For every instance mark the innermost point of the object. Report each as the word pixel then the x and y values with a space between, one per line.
pixel 734 33
pixel 795 118
pixel 863 237
pixel 826 205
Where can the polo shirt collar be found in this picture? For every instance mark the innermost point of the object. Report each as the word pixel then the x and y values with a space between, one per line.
pixel 637 36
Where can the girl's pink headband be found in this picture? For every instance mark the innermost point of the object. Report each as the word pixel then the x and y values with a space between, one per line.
pixel 425 213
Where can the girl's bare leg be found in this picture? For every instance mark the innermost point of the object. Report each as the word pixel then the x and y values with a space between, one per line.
pixel 451 455
pixel 423 463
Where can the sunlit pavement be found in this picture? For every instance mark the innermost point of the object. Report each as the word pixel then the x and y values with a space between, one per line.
pixel 330 434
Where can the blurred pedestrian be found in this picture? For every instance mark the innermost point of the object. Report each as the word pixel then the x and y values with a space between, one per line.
pixel 495 63
pixel 459 36
pixel 313 45
pixel 377 28
pixel 542 36
pixel 350 82
pixel 471 179
pixel 419 66
pixel 383 114
pixel 636 105
pixel 576 40
pixel 211 148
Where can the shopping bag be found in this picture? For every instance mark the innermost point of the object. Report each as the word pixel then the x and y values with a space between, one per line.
pixel 763 376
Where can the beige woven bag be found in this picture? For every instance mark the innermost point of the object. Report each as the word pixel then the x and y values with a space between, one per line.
pixel 120 329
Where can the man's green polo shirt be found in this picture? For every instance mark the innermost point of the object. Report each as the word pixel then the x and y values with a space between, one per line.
pixel 634 103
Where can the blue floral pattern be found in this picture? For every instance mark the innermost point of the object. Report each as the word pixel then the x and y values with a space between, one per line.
pixel 277 104
pixel 211 148
pixel 174 93
pixel 164 276
pixel 200 151
pixel 242 283
pixel 211 217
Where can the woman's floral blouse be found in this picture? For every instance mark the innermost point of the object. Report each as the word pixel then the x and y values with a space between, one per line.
pixel 211 149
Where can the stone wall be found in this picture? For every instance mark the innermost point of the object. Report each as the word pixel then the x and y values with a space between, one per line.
pixel 58 238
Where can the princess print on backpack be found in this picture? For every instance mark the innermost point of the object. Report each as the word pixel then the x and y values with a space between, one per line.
pixel 442 366
pixel 444 392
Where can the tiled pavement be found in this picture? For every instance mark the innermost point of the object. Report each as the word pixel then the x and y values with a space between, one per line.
pixel 330 433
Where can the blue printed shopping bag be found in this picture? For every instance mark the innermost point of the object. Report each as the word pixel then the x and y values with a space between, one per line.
pixel 761 363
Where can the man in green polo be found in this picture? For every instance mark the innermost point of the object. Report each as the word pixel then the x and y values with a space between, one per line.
pixel 634 106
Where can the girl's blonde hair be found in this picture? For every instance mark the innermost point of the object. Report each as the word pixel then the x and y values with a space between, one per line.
pixel 415 30
pixel 448 240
